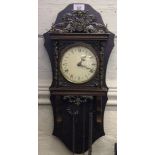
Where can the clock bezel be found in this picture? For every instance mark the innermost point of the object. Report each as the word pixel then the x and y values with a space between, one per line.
pixel 63 51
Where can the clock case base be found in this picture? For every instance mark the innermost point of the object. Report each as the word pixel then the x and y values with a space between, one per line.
pixel 78 109
pixel 72 122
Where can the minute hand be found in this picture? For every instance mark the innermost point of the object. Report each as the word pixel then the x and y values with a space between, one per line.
pixel 85 66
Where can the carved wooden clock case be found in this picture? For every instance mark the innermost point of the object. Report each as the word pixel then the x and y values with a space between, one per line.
pixel 79 45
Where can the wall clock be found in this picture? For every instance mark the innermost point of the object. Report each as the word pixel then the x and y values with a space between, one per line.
pixel 79 45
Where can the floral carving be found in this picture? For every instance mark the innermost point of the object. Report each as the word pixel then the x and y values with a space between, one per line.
pixel 78 22
pixel 74 103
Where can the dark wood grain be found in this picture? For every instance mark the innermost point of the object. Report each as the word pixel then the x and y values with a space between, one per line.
pixel 73 103
pixel 79 36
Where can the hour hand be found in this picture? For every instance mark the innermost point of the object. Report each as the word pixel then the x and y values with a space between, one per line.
pixel 83 58
pixel 80 63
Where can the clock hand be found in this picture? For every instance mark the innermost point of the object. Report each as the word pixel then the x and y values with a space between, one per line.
pixel 81 65
pixel 86 67
pixel 83 58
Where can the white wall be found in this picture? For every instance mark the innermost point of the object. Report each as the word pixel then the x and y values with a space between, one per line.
pixel 48 144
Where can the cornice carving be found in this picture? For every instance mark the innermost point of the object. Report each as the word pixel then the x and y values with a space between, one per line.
pixel 78 22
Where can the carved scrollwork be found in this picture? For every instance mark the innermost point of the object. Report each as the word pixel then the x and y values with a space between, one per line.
pixel 78 22
pixel 74 102
pixel 101 66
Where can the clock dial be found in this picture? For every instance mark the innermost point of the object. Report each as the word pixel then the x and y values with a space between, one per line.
pixel 78 64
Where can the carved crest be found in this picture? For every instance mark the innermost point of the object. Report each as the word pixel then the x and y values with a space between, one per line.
pixel 78 22
pixel 74 103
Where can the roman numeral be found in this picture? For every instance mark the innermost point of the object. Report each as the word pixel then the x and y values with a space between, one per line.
pixel 91 71
pixel 79 49
pixel 71 76
pixel 64 64
pixel 66 70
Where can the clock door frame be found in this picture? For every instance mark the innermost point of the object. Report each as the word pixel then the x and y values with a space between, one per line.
pixel 98 42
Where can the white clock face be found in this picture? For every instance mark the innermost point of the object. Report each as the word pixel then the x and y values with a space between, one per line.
pixel 78 64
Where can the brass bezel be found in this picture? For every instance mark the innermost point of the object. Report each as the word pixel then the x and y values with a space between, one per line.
pixel 76 45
